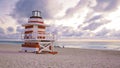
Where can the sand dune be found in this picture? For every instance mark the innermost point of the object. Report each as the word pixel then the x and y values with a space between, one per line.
pixel 10 57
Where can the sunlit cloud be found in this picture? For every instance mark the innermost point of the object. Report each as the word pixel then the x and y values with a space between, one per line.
pixel 77 18
pixel 8 24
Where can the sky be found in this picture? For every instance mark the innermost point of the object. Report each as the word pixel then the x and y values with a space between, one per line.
pixel 76 18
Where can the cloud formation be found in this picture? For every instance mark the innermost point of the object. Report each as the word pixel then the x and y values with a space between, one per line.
pixel 92 26
pixel 106 5
pixel 76 18
pixel 10 29
pixel 1 31
pixel 48 8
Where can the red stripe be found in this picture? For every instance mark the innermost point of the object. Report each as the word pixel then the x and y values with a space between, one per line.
pixel 35 22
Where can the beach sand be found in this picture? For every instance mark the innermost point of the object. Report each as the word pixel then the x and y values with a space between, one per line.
pixel 10 57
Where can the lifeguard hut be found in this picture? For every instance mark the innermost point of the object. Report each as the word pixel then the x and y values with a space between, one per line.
pixel 35 37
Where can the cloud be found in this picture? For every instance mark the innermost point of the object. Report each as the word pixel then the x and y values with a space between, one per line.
pixel 8 24
pixel 67 31
pixel 115 34
pixel 60 30
pixel 103 33
pixel 14 36
pixel 97 17
pixel 24 8
pixel 20 29
pixel 1 31
pixel 95 22
pixel 92 26
pixel 6 6
pixel 10 29
pixel 77 18
pixel 106 5
pixel 78 8
pixel 49 8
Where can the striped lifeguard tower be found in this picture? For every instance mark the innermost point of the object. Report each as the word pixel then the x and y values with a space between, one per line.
pixel 35 37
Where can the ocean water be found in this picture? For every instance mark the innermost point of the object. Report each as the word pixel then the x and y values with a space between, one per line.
pixel 84 45
pixel 91 45
pixel 11 42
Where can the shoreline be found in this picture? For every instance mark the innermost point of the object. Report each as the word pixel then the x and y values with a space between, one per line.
pixel 13 44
